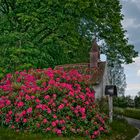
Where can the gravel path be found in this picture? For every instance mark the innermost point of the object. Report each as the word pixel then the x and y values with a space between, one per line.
pixel 135 123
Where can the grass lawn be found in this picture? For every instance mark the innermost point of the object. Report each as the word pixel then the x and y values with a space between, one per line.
pixel 7 134
pixel 121 130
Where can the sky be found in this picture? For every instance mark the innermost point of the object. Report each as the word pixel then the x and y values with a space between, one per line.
pixel 131 22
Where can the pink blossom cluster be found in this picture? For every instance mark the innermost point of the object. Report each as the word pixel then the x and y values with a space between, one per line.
pixel 50 100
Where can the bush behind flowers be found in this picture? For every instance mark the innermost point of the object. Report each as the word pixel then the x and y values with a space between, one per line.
pixel 46 100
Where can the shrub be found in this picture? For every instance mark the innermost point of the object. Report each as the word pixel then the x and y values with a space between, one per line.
pixel 123 102
pixel 132 112
pixel 128 112
pixel 52 101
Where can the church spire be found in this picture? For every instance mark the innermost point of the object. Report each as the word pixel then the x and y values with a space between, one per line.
pixel 94 55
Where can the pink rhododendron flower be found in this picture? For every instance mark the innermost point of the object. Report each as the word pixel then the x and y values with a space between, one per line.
pixel 96 133
pixel 23 112
pixel 87 102
pixel 24 120
pixel 46 97
pixel 51 82
pixel 53 124
pixel 37 101
pixel 29 110
pixel 21 93
pixel 54 116
pixel 54 96
pixel 63 128
pixel 32 97
pixel 71 93
pixel 68 117
pixel 20 104
pixel 59 132
pixel 65 100
pixel 82 110
pixel 101 129
pixel 39 106
pixel 7 120
pixel 13 127
pixel 9 76
pixel 27 97
pixel 95 123
pixel 61 106
pixel 49 110
pixel 8 102
pixel 82 97
pixel 57 121
pixel 17 120
pixel 83 117
pixel 92 137
pixel 50 73
pixel 48 129
pixel 45 121
pixel 53 104
pixel 10 112
pixel 62 121
pixel 86 132
pixel 38 125
pixel 57 79
pixel 44 84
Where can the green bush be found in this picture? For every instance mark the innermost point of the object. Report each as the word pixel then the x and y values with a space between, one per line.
pixel 133 113
pixel 123 102
pixel 50 101
pixel 128 112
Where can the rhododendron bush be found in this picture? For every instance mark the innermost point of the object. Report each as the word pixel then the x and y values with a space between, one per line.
pixel 52 101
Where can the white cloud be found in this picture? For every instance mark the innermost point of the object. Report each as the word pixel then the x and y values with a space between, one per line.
pixel 138 72
pixel 130 23
pixel 133 66
pixel 133 87
pixel 137 2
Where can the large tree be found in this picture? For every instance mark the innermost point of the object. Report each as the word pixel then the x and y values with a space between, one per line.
pixel 117 76
pixel 42 33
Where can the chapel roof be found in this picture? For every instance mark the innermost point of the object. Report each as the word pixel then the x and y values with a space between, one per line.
pixel 95 47
pixel 84 68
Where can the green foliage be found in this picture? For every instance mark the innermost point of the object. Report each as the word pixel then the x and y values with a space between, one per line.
pixel 123 102
pixel 137 100
pixel 103 105
pixel 128 112
pixel 47 33
pixel 133 113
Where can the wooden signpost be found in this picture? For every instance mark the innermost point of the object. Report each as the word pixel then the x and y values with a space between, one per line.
pixel 110 91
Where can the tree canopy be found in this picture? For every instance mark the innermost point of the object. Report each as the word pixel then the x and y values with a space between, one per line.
pixel 117 77
pixel 40 33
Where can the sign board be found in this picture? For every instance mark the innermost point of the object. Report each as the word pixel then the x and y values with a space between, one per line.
pixel 111 90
